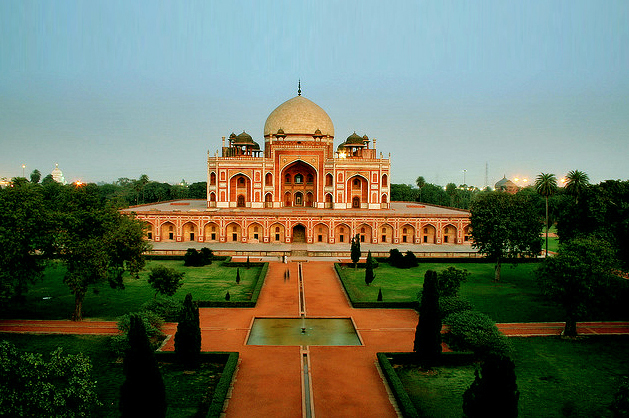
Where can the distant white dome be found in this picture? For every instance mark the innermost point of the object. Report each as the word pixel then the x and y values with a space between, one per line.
pixel 57 175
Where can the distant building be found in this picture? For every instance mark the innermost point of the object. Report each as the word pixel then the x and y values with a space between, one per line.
pixel 506 185
pixel 299 188
pixel 57 175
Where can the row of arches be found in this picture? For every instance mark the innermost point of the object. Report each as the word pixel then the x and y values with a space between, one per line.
pixel 319 233
pixel 309 177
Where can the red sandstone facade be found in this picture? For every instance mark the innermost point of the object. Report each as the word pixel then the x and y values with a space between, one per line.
pixel 300 189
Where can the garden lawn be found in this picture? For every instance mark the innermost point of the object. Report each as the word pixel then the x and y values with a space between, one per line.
pixel 556 378
pixel 516 298
pixel 185 390
pixel 51 298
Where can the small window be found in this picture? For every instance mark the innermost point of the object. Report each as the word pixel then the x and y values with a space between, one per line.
pixel 241 181
pixel 384 238
pixel 299 179
pixel 277 237
pixel 171 235
pixel 255 236
pixel 445 238
pixel 403 238
pixel 320 229
pixel 309 179
pixel 214 237
pixel 213 229
pixel 255 229
pixel 341 238
pixel 404 230
pixel 362 230
pixel 287 179
pixel 234 237
pixel 425 230
pixel 341 230
pixel 277 229
pixel 234 228
pixel 192 236
pixel 149 235
pixel 362 238
pixel 320 238
pixel 384 230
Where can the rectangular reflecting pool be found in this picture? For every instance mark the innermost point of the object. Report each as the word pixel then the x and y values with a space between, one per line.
pixel 288 331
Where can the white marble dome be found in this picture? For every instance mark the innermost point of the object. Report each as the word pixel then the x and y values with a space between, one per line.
pixel 299 116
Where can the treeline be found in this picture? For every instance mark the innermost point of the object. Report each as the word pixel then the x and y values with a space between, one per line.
pixel 433 194
pixel 126 192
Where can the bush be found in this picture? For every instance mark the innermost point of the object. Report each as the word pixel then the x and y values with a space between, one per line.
pixel 152 324
pixel 427 342
pixel 168 309
pixel 396 259
pixel 477 332
pixel 35 387
pixel 620 404
pixel 410 260
pixel 194 258
pixel 449 305
pixel 450 281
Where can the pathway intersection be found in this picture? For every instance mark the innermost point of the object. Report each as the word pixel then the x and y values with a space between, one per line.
pixel 343 381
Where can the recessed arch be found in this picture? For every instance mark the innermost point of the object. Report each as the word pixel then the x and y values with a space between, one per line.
pixel 342 232
pixel 233 231
pixel 240 189
pixel 255 232
pixel 407 233
pixel 364 232
pixel 299 233
pixel 449 234
pixel 211 232
pixel 321 233
pixel 168 231
pixel 429 234
pixel 276 232
pixel 385 233
pixel 189 230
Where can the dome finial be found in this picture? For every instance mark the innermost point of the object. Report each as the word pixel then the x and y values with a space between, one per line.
pixel 299 88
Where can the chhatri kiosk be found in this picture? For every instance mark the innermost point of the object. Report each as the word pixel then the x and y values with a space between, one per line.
pixel 300 188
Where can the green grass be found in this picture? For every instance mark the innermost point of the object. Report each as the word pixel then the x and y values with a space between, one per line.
pixel 205 283
pixel 554 376
pixel 516 298
pixel 185 390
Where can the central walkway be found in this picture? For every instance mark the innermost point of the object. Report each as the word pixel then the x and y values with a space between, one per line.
pixel 345 381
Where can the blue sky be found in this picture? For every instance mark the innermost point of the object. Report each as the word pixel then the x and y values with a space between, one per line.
pixel 109 89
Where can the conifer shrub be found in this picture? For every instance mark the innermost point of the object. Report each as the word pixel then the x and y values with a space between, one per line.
pixel 143 393
pixel 152 323
pixel 396 259
pixel 188 336
pixel 494 392
pixel 427 342
pixel 410 260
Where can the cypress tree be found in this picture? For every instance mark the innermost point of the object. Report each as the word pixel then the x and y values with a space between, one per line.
pixel 143 392
pixel 369 274
pixel 427 343
pixel 237 275
pixel 188 336
pixel 355 249
pixel 494 393
pixel 227 296
pixel 379 295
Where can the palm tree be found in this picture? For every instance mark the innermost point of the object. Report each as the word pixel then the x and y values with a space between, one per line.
pixel 577 182
pixel 546 185
pixel 421 182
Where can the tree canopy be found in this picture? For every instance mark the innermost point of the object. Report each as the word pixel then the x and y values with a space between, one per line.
pixel 580 278
pixel 505 226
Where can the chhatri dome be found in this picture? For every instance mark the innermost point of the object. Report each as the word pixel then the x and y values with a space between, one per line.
pixel 299 116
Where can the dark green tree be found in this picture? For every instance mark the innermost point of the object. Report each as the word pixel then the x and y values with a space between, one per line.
pixel 188 336
pixel 494 392
pixel 620 404
pixel 505 226
pixel 403 193
pixel 227 296
pixel 35 176
pixel 580 278
pixel 546 186
pixel 396 259
pixel 143 393
pixel 98 242
pixel 450 281
pixel 192 258
pixel 369 274
pixel 237 276
pixel 25 237
pixel 34 386
pixel 355 249
pixel 379 295
pixel 165 280
pixel 576 184
pixel 420 182
pixel 410 260
pixel 427 342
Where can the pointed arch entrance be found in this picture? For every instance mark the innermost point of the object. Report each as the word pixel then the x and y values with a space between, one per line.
pixel 299 233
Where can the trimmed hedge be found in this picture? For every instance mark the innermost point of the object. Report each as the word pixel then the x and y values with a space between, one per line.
pixel 407 408
pixel 220 392
pixel 395 384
